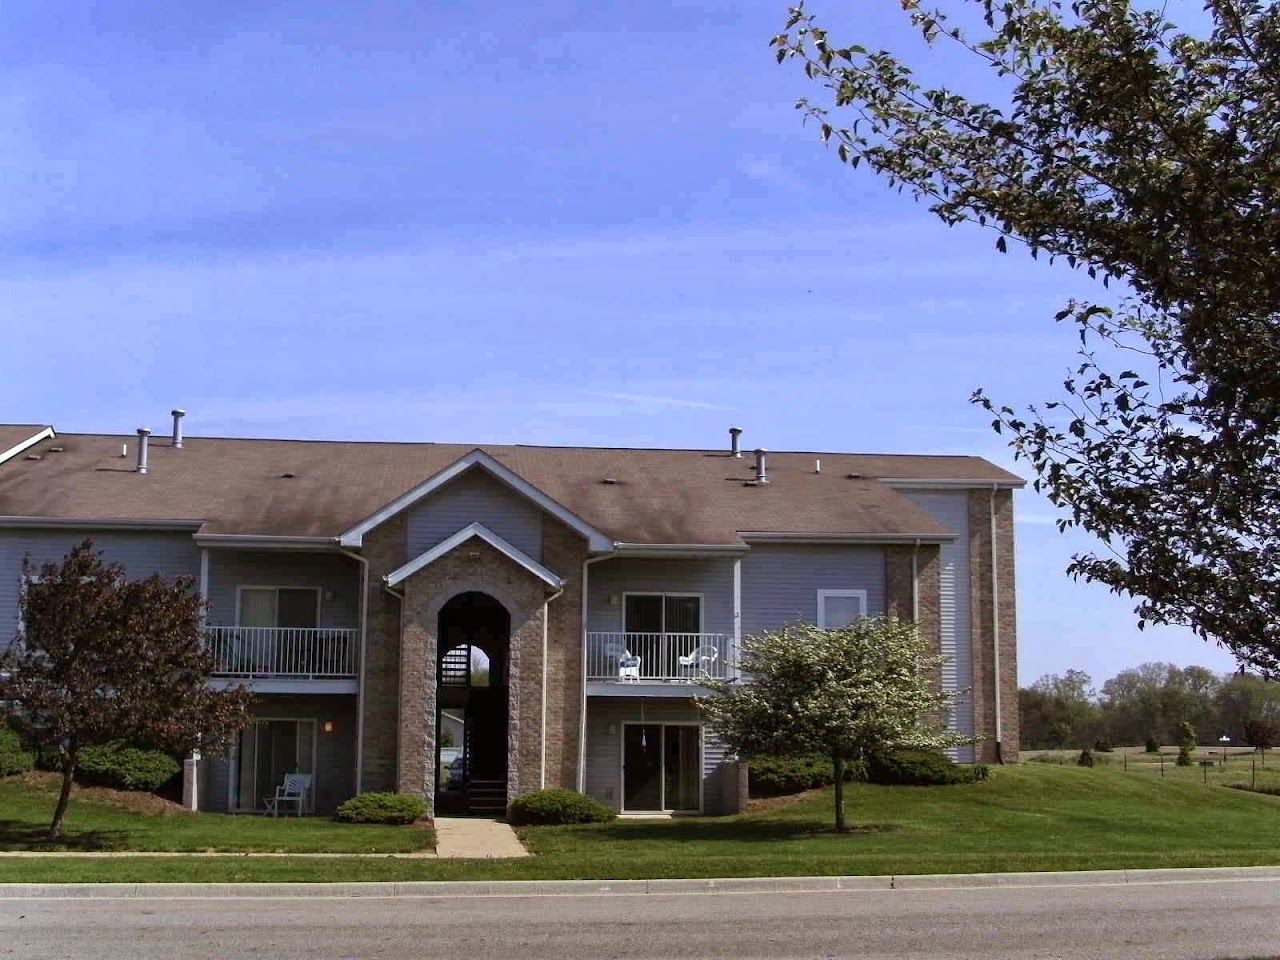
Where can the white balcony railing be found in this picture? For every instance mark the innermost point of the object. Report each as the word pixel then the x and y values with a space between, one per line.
pixel 670 657
pixel 316 653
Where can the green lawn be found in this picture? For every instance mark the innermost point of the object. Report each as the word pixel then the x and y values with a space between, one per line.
pixel 1032 817
pixel 1242 764
pixel 25 811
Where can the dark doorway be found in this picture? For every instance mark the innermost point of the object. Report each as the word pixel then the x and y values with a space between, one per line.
pixel 471 706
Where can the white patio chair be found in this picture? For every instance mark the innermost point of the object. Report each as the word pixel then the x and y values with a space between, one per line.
pixel 698 663
pixel 294 790
pixel 629 667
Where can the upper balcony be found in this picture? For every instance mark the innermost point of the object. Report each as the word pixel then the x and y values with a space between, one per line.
pixel 287 659
pixel 628 658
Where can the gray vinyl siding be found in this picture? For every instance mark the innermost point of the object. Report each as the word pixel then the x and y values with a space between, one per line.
pixel 612 578
pixel 780 583
pixel 475 497
pixel 142 553
pixel 604 748
pixel 337 577
pixel 335 751
pixel 951 509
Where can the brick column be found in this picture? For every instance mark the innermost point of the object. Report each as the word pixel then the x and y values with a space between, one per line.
pixel 564 550
pixel 984 615
pixel 385 547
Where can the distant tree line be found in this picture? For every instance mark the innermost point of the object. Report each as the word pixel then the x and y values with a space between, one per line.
pixel 1148 703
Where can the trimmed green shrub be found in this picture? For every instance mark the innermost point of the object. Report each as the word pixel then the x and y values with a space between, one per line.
pixel 776 776
pixel 14 758
pixel 1086 758
pixel 382 808
pixel 1153 745
pixel 556 806
pixel 124 767
pixel 916 768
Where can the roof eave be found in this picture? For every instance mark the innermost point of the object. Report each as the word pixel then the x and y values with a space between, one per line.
pixel 769 536
pixel 920 483
pixel 99 523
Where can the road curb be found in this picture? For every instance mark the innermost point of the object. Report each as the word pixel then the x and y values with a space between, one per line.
pixel 444 889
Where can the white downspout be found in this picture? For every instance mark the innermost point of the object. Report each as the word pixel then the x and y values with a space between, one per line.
pixel 915 582
pixel 364 632
pixel 737 614
pixel 582 704
pixel 995 629
pixel 204 585
pixel 542 764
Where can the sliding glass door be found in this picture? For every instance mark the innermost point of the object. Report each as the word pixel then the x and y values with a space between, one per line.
pixel 661 767
pixel 264 752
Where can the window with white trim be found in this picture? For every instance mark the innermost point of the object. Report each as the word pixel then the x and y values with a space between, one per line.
pixel 839 608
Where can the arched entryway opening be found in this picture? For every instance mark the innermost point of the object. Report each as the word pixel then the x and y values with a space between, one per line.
pixel 471 705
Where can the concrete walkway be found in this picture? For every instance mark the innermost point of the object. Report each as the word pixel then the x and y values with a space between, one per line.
pixel 474 838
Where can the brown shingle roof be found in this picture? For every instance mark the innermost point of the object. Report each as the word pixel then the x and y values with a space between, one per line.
pixel 14 434
pixel 237 486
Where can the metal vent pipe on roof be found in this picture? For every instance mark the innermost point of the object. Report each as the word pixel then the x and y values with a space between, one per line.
pixel 762 465
pixel 143 434
pixel 177 427
pixel 735 446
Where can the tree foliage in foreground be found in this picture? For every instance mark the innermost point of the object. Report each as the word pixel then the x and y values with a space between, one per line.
pixel 102 658
pixel 1150 158
pixel 840 693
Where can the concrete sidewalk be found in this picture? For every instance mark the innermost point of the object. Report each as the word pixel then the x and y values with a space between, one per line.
pixel 474 838
pixel 445 889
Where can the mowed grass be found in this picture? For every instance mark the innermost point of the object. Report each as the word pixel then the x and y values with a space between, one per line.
pixel 25 811
pixel 1030 818
pixel 1243 765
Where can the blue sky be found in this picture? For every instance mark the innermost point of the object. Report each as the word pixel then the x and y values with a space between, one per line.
pixel 596 223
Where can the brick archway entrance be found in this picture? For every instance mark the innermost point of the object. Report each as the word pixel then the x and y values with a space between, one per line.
pixel 472 687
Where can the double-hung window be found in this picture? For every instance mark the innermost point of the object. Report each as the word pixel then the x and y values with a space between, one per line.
pixel 839 608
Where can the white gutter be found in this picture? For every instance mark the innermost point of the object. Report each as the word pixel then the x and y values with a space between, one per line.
pixel 546 615
pixel 995 628
pixel 919 483
pixel 26 444
pixel 582 703
pixel 260 541
pixel 364 643
pixel 845 538
pixel 92 523
pixel 677 550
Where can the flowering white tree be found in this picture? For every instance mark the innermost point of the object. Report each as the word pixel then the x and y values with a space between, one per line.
pixel 835 692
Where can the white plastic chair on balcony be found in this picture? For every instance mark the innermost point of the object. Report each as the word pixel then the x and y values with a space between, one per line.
pixel 628 667
pixel 294 790
pixel 698 663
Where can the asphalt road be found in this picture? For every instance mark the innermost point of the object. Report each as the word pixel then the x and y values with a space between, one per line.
pixel 1199 919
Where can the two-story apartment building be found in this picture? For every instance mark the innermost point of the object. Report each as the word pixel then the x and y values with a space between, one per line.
pixel 472 623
